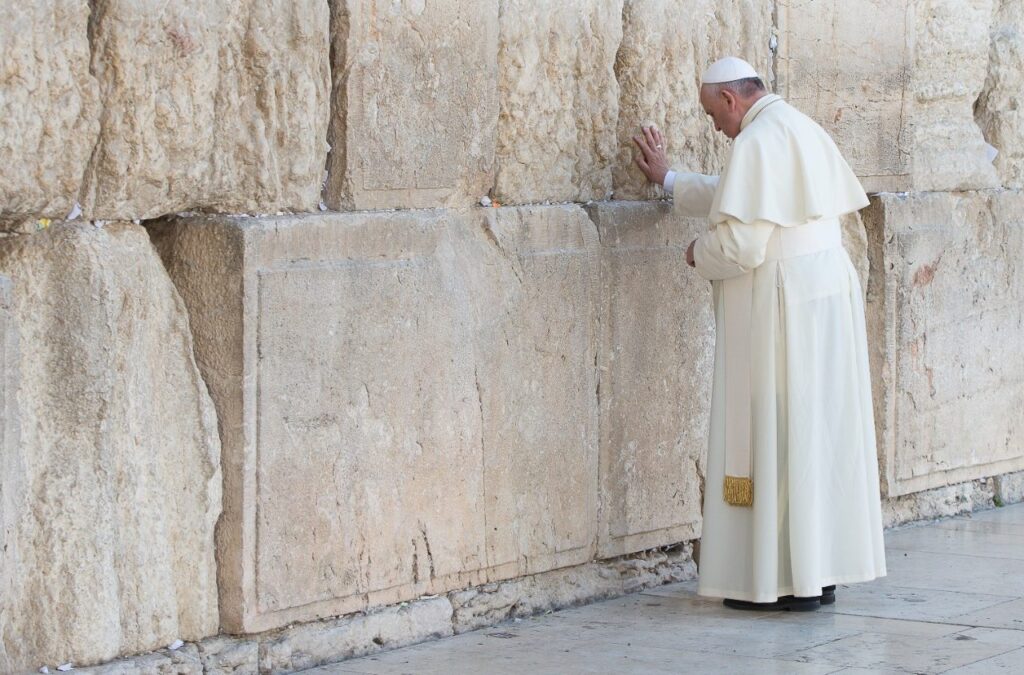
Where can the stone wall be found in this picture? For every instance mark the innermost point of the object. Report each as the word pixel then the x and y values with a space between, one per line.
pixel 378 389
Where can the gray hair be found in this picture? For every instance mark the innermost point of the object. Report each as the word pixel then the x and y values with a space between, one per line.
pixel 744 88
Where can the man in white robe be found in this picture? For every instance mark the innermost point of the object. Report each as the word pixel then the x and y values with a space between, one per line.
pixel 792 505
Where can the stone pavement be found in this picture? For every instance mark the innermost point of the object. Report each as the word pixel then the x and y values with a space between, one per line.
pixel 953 603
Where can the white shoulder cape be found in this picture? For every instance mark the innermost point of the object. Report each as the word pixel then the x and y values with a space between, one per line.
pixel 786 170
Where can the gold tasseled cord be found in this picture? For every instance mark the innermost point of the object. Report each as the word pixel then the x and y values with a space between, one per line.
pixel 739 491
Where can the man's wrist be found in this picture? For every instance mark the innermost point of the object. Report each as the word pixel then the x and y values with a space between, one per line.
pixel 670 181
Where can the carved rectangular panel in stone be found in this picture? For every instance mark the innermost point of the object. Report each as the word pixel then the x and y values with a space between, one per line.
pixel 49 112
pixel 666 46
pixel 534 281
pixel 655 366
pixel 414 103
pixel 558 99
pixel 847 65
pixel 407 400
pixel 946 320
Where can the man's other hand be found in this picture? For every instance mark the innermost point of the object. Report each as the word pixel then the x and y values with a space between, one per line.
pixel 652 160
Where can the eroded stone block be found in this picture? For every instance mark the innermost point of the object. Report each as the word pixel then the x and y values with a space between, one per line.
pixel 414 103
pixel 558 100
pixel 847 65
pixel 655 365
pixel 666 46
pixel 48 107
pixel 119 458
pixel 951 51
pixel 1000 110
pixel 209 106
pixel 945 306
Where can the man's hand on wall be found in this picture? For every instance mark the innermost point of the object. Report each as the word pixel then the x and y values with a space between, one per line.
pixel 652 160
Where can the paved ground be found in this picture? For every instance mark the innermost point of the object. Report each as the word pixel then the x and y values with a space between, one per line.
pixel 953 602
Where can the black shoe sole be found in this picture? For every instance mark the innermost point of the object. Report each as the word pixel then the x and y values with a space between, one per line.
pixel 780 605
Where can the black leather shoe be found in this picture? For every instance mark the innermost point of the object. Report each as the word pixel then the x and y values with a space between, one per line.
pixel 786 602
pixel 828 595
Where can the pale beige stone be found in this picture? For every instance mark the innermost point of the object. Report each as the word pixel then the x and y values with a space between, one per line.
pixel 48 107
pixel 847 65
pixel 1000 109
pixel 225 655
pixel 208 106
pixel 951 51
pixel 657 353
pixel 940 502
pixel 558 100
pixel 1009 488
pixel 360 363
pixel 534 300
pixel 316 644
pixel 12 469
pixel 666 46
pixel 120 479
pixel 487 605
pixel 182 661
pixel 414 103
pixel 338 352
pixel 945 306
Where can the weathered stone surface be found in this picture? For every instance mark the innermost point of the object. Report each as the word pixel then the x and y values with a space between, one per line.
pixel 229 656
pixel 1009 488
pixel 414 103
pixel 316 644
pixel 666 46
pixel 558 99
pixel 12 469
pixel 120 460
pixel 951 50
pixel 360 363
pixel 848 65
pixel 941 502
pixel 48 107
pixel 182 661
pixel 534 296
pixel 493 603
pixel 1000 109
pixel 208 106
pixel 945 304
pixel 657 352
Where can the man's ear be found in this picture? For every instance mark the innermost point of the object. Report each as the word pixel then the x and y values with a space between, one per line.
pixel 731 100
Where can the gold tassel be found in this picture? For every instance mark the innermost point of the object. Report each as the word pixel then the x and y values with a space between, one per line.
pixel 739 491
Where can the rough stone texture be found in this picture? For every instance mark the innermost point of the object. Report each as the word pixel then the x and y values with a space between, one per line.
pixel 229 656
pixel 950 500
pixel 686 36
pixel 945 303
pixel 1009 488
pixel 316 644
pixel 847 65
pixel 342 346
pixel 1000 110
pixel 534 297
pixel 558 99
pixel 951 51
pixel 208 106
pixel 487 605
pixel 657 352
pixel 119 456
pixel 12 470
pixel 48 107
pixel 182 661
pixel 414 103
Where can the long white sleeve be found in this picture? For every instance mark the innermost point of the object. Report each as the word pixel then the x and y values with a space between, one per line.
pixel 693 193
pixel 732 248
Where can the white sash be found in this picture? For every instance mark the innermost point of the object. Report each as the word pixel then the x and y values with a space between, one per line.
pixel 737 292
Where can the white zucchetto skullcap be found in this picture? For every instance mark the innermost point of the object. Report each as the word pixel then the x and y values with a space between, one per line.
pixel 728 69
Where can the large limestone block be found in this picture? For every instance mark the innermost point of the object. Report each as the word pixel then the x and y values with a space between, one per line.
pixel 209 106
pixel 655 364
pixel 945 304
pixel 559 100
pixel 951 51
pixel 407 400
pixel 48 107
pixel 1000 110
pixel 414 103
pixel 535 294
pixel 119 459
pixel 338 353
pixel 12 471
pixel 666 46
pixel 847 65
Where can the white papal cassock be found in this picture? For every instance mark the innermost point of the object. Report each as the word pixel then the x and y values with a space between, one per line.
pixel 792 394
